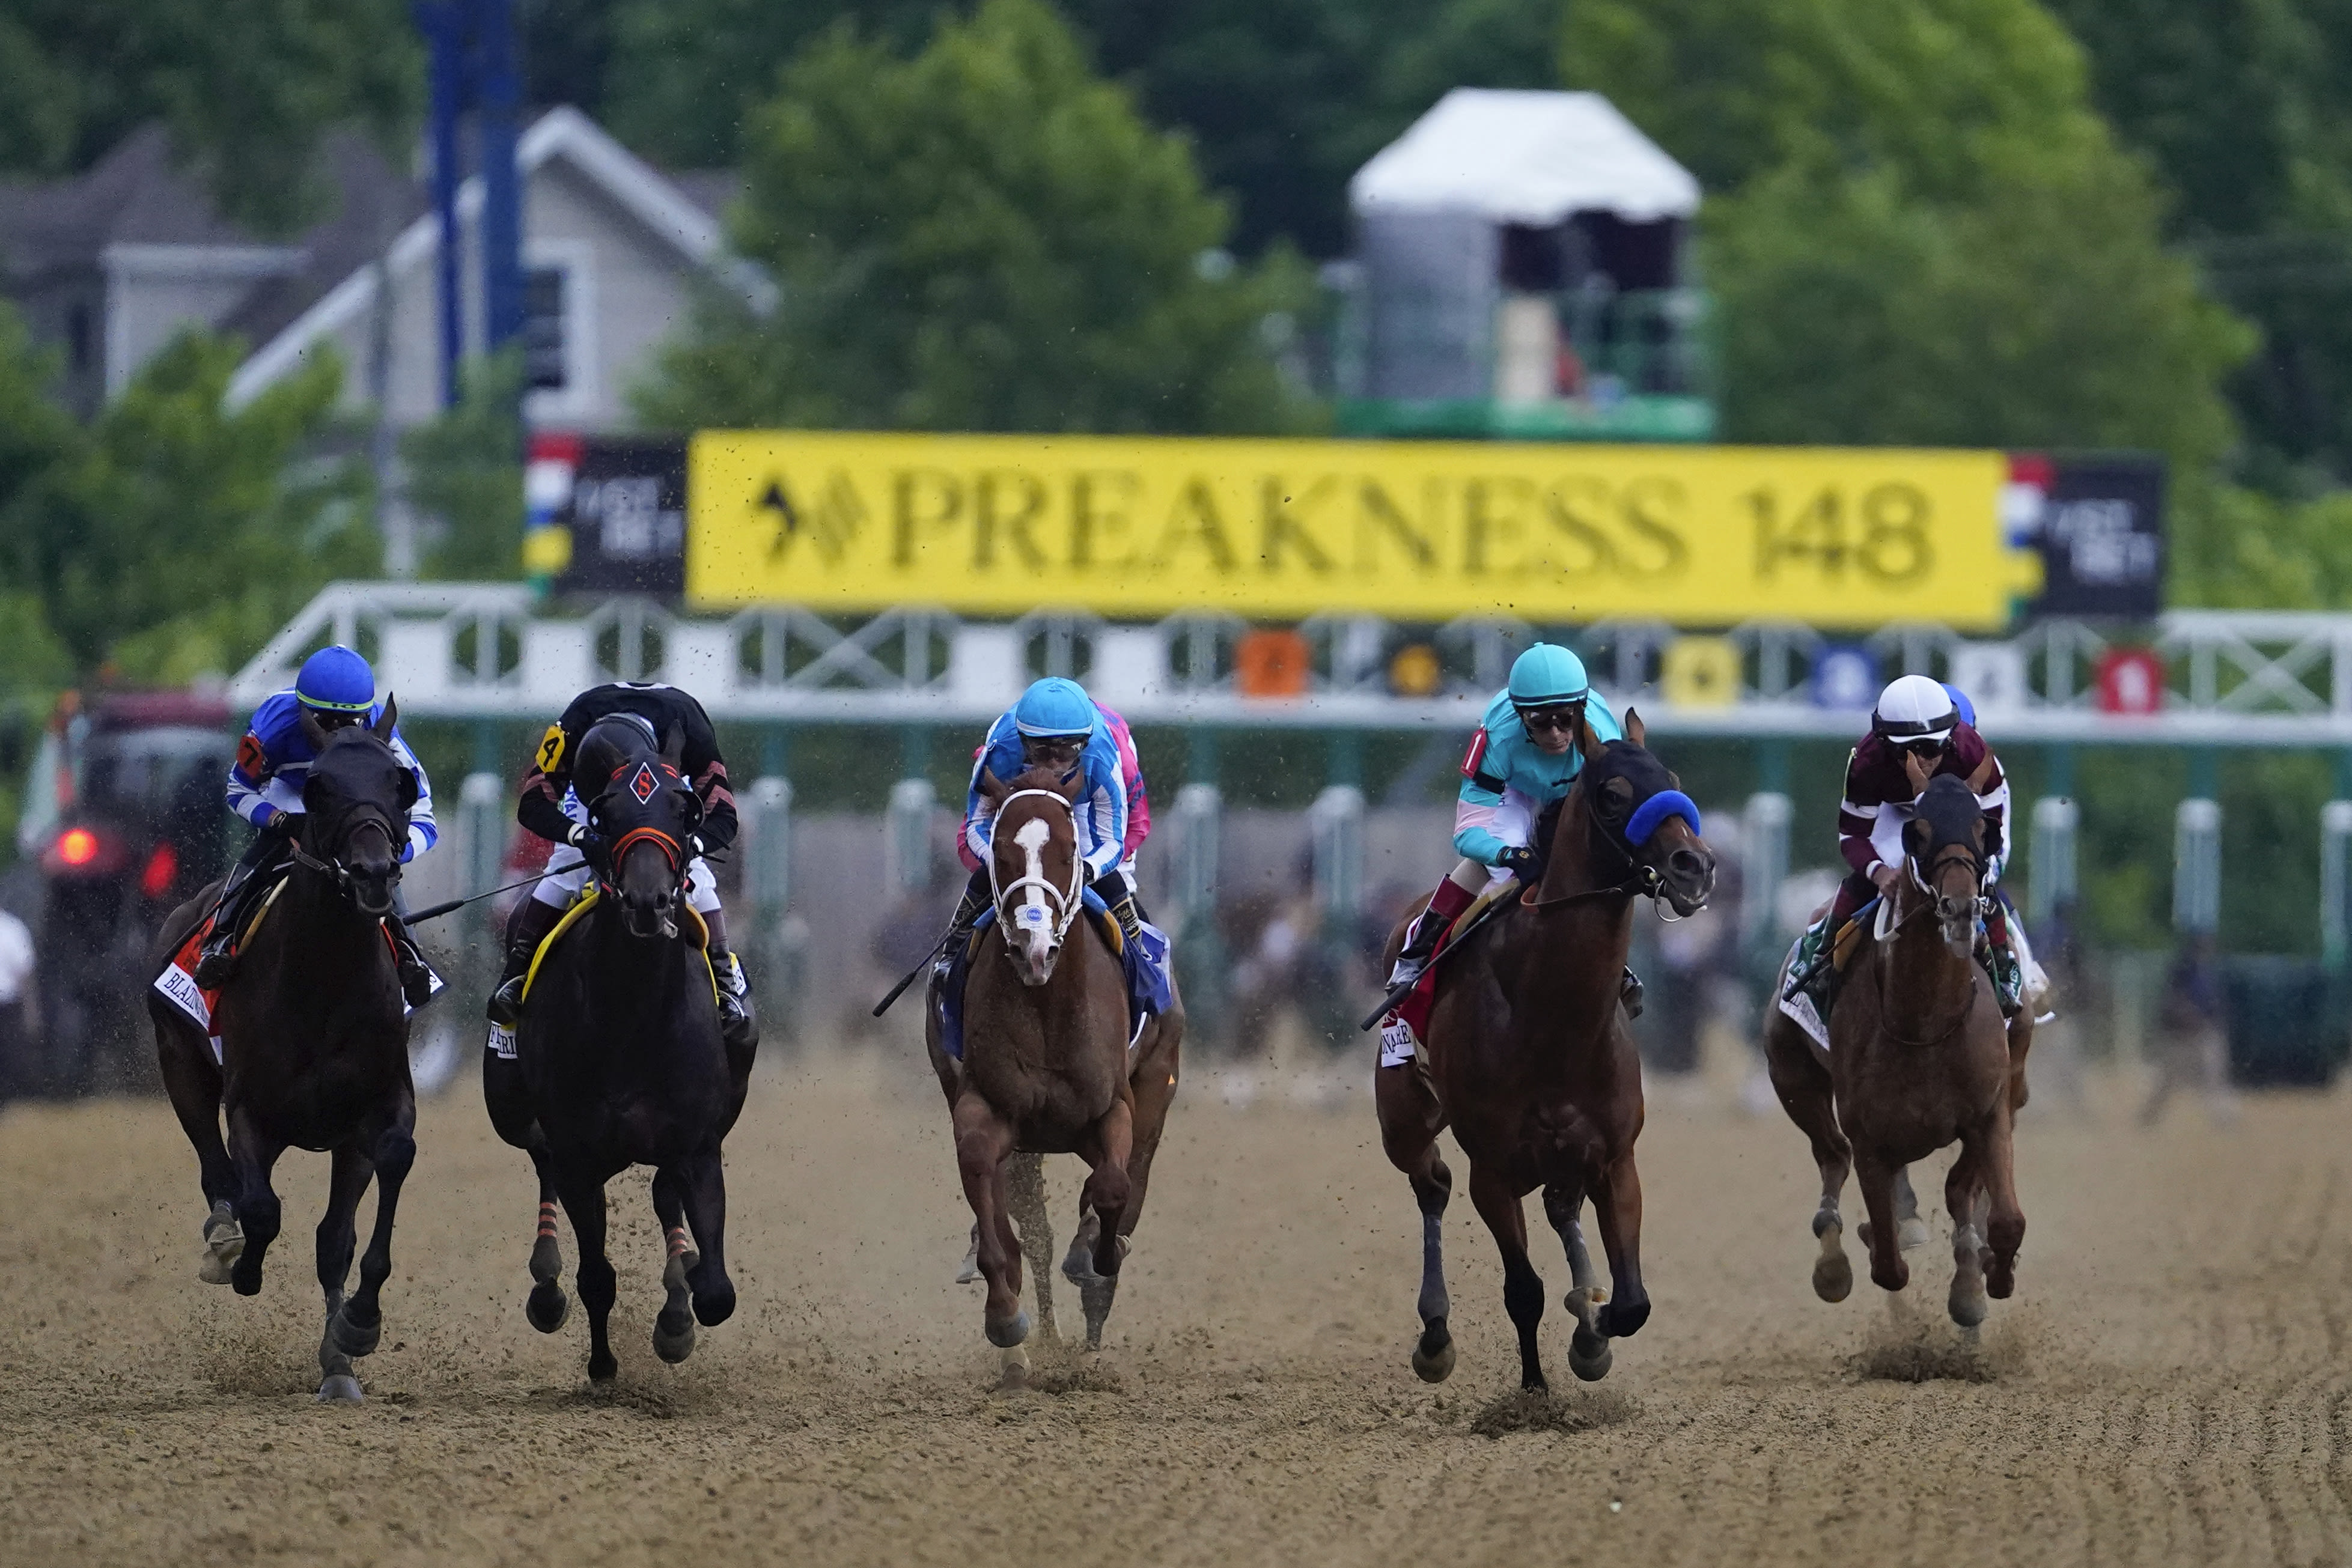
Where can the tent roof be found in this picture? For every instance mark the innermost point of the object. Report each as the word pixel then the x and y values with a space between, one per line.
pixel 1524 157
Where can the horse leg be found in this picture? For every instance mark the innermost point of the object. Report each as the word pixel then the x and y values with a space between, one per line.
pixel 584 1201
pixel 1876 1178
pixel 674 1326
pixel 257 1212
pixel 1410 1119
pixel 1025 1188
pixel 359 1326
pixel 547 1306
pixel 1523 1295
pixel 982 1139
pixel 1618 1205
pixel 1103 1203
pixel 1588 1348
pixel 1807 1095
pixel 194 1086
pixel 337 1240
pixel 1910 1230
pixel 1961 1189
pixel 2005 1222
pixel 1153 1086
pixel 703 1188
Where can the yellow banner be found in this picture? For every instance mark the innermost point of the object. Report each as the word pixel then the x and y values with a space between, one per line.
pixel 1275 529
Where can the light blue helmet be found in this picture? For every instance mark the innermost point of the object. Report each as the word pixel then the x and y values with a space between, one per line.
pixel 1055 706
pixel 336 679
pixel 1547 675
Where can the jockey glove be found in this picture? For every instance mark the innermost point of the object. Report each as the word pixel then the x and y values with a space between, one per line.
pixel 1518 859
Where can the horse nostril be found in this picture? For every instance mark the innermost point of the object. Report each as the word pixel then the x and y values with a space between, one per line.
pixel 1686 862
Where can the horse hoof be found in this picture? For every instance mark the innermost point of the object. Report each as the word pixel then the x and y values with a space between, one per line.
pixel 715 1307
pixel 1622 1320
pixel 340 1389
pixel 602 1368
pixel 1910 1234
pixel 1832 1277
pixel 353 1339
pixel 546 1260
pixel 1590 1365
pixel 215 1270
pixel 2000 1279
pixel 1005 1335
pixel 246 1281
pixel 673 1346
pixel 1432 1354
pixel 1968 1306
pixel 224 1244
pixel 548 1307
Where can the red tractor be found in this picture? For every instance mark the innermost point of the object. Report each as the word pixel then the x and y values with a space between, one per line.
pixel 123 816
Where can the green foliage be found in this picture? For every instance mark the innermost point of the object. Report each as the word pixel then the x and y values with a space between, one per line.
pixel 985 237
pixel 246 88
pixel 465 472
pixel 1921 232
pixel 176 536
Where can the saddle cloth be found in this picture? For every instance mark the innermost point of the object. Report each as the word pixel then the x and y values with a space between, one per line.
pixel 1409 1023
pixel 1144 965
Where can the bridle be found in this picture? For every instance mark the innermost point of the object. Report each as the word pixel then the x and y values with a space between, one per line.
pixel 1888 922
pixel 1642 880
pixel 1067 900
pixel 342 829
pixel 615 854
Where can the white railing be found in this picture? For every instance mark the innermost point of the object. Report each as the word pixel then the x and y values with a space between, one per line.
pixel 485 651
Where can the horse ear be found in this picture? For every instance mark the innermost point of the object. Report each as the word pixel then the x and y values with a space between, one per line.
pixel 314 732
pixel 1635 730
pixel 391 717
pixel 1914 837
pixel 674 745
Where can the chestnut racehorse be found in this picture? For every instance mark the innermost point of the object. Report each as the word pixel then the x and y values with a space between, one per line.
pixel 1918 1058
pixel 1528 1058
pixel 1046 1067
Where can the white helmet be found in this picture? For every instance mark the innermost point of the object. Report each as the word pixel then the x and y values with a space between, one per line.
pixel 1913 707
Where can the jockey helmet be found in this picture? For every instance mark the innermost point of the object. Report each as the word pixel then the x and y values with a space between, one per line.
pixel 1055 706
pixel 608 746
pixel 1960 705
pixel 1547 675
pixel 335 679
pixel 1915 707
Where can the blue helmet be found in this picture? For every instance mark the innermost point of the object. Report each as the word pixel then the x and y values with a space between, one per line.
pixel 1547 675
pixel 1055 706
pixel 1966 709
pixel 335 679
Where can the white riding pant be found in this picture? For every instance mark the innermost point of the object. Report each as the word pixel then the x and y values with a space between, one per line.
pixel 559 889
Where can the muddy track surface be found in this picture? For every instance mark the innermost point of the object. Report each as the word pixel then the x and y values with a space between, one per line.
pixel 2169 1385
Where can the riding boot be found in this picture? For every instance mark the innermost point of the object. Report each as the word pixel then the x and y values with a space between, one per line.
pixel 1131 921
pixel 2001 963
pixel 976 897
pixel 532 922
pixel 1445 905
pixel 735 1023
pixel 1629 993
pixel 216 960
pixel 416 974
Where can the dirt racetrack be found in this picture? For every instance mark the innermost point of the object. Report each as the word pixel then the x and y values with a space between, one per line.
pixel 2168 1385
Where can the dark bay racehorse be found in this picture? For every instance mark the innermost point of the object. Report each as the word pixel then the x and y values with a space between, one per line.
pixel 1918 1058
pixel 620 1048
pixel 314 1043
pixel 1046 1068
pixel 1528 1058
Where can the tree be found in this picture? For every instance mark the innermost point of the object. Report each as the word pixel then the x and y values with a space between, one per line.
pixel 175 538
pixel 1920 231
pixel 985 237
pixel 248 88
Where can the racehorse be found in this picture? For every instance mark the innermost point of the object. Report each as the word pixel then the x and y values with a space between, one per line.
pixel 621 1053
pixel 1918 1058
pixel 314 1043
pixel 1528 1058
pixel 1046 1066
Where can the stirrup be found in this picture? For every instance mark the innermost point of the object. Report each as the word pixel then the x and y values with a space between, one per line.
pixel 1630 994
pixel 735 1024
pixel 216 966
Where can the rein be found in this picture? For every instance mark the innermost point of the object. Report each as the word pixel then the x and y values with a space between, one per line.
pixel 1067 900
pixel 332 868
pixel 1889 923
pixel 1642 880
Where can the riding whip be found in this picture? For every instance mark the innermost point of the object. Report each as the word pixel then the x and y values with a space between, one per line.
pixel 438 910
pixel 916 972
pixel 1396 996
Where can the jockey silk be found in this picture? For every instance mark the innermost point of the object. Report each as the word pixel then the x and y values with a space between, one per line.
pixel 1102 806
pixel 274 759
pixel 1507 779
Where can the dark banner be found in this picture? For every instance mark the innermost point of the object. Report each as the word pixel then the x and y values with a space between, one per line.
pixel 2098 523
pixel 623 503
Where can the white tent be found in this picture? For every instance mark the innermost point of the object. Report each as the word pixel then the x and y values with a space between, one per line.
pixel 1530 158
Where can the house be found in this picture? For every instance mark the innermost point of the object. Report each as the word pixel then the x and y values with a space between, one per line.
pixel 110 266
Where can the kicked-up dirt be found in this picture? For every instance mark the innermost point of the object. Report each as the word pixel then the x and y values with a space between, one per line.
pixel 2168 1385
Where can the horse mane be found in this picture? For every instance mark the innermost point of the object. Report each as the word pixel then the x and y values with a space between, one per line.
pixel 1053 781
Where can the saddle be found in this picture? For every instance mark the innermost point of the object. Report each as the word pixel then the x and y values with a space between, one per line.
pixel 1409 1024
pixel 1144 965
pixel 178 981
pixel 697 932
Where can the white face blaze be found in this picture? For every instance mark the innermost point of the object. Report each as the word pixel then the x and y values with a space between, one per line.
pixel 1030 930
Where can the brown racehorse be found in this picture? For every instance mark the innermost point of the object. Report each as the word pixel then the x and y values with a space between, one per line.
pixel 1528 1058
pixel 1918 1058
pixel 314 1044
pixel 1045 1067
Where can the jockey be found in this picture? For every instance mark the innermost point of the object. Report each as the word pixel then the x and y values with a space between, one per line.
pixel 587 745
pixel 1917 731
pixel 1056 725
pixel 1524 757
pixel 337 689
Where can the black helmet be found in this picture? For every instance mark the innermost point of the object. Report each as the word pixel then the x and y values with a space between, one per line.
pixel 610 745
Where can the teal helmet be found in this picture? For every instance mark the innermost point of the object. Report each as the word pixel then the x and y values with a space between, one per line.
pixel 1547 675
pixel 1055 706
